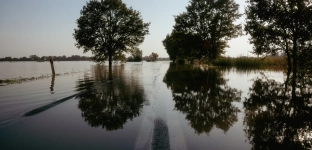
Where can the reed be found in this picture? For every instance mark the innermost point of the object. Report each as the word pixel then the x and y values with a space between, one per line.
pixel 224 61
pixel 254 62
pixel 247 62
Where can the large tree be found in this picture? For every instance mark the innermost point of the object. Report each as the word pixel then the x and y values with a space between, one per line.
pixel 108 28
pixel 281 26
pixel 211 20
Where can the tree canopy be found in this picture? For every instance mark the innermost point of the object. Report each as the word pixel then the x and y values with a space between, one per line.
pixel 136 55
pixel 281 26
pixel 206 26
pixel 179 45
pixel 108 28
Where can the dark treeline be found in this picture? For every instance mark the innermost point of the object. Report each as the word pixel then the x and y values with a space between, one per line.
pixel 46 58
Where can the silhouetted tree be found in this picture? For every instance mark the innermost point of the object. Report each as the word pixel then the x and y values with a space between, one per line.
pixel 8 58
pixel 181 45
pixel 136 55
pixel 107 28
pixel 34 57
pixel 153 56
pixel 212 21
pixel 281 26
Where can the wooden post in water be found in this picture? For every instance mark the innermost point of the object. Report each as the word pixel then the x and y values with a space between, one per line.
pixel 52 65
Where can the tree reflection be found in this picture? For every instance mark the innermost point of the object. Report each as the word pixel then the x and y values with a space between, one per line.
pixel 278 115
pixel 109 103
pixel 204 96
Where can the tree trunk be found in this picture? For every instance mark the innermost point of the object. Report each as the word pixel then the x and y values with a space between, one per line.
pixel 294 64
pixel 110 71
pixel 289 64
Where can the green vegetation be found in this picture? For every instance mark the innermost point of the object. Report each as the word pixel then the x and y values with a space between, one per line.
pixel 153 56
pixel 272 61
pixel 181 61
pixel 108 28
pixel 181 45
pixel 136 55
pixel 281 26
pixel 203 30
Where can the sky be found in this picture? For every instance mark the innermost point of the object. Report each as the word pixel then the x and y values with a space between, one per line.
pixel 45 27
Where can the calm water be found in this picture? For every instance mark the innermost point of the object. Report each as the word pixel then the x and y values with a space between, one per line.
pixel 152 105
pixel 27 69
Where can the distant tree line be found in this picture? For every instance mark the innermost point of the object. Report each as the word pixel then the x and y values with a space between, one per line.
pixel 46 58
pixel 136 56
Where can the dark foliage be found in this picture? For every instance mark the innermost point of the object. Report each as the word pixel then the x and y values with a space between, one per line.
pixel 203 30
pixel 108 28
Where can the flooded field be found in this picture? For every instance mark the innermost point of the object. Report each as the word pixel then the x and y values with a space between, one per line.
pixel 152 105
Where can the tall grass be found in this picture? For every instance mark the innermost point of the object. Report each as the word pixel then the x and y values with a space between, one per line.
pixel 272 61
pixel 224 61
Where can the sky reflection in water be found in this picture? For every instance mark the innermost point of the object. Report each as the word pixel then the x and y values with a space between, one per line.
pixel 201 108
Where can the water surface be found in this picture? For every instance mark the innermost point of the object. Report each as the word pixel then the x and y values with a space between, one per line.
pixel 153 105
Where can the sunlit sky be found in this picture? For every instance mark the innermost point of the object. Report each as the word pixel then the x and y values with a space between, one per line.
pixel 45 27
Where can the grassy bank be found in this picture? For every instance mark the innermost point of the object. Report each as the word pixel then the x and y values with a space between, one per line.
pixel 272 61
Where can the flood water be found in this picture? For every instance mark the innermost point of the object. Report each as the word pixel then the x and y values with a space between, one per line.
pixel 152 105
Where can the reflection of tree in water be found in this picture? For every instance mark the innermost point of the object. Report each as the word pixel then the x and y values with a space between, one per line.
pixel 111 104
pixel 278 115
pixel 203 95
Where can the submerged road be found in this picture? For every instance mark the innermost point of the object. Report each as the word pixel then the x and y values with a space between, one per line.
pixel 160 129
